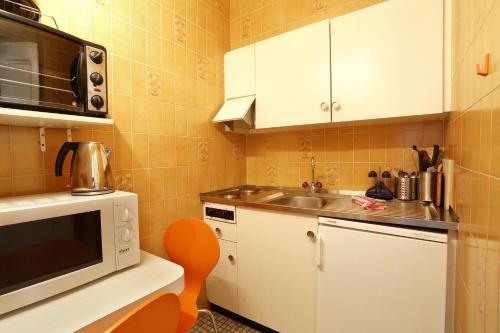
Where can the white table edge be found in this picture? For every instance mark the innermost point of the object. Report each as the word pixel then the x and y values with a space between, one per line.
pixel 81 306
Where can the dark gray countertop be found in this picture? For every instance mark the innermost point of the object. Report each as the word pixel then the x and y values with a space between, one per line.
pixel 339 205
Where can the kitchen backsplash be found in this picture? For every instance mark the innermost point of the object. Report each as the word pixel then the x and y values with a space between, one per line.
pixel 473 141
pixel 343 155
pixel 166 84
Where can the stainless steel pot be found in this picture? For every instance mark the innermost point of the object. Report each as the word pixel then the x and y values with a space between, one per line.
pixel 90 167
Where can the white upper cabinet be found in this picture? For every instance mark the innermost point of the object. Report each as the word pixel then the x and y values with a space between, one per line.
pixel 387 61
pixel 293 78
pixel 239 72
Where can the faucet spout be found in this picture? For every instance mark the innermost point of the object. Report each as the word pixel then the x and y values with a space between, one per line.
pixel 315 186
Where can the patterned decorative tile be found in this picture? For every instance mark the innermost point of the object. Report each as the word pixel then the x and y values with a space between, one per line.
pixel 246 27
pixel 238 152
pixel 154 83
pixel 103 3
pixel 219 5
pixel 318 4
pixel 305 148
pixel 332 176
pixel 203 151
pixel 202 67
pixel 180 30
pixel 123 181
pixel 271 174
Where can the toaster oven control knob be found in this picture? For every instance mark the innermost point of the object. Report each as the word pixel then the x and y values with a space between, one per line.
pixel 125 216
pixel 96 79
pixel 97 101
pixel 126 235
pixel 96 56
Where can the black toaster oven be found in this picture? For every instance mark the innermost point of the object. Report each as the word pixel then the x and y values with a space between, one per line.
pixel 44 69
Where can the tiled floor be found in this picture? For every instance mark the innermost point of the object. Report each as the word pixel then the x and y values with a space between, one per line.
pixel 224 325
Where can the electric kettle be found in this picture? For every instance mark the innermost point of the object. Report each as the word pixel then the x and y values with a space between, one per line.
pixel 90 172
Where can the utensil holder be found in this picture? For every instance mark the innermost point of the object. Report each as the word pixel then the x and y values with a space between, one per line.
pixel 406 188
pixel 427 186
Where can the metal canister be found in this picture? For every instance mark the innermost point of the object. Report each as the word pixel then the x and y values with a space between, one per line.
pixel 403 188
pixel 427 186
pixel 414 185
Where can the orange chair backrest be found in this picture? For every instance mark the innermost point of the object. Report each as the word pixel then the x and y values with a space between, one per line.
pixel 193 245
pixel 158 314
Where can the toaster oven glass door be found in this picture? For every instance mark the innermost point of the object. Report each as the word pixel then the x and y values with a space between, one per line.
pixel 37 251
pixel 40 70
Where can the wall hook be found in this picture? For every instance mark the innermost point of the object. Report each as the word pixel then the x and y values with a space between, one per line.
pixel 486 66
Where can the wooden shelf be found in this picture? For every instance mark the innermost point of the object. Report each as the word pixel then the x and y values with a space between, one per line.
pixel 15 117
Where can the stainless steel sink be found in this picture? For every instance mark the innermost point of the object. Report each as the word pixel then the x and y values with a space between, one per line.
pixel 299 202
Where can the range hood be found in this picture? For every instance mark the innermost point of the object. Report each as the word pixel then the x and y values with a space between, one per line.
pixel 237 113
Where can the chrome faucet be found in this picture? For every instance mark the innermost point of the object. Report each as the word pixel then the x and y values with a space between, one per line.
pixel 315 186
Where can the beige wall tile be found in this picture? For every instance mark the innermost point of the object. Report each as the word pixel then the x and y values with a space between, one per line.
pixel 138 44
pixel 5 152
pixel 361 147
pixel 28 185
pixel 120 37
pixel 472 141
pixel 27 159
pixel 346 147
pixel 6 187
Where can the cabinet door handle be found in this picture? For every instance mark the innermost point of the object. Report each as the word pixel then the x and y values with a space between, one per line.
pixel 318 250
pixel 310 234
pixel 218 231
pixel 230 257
pixel 324 106
pixel 336 105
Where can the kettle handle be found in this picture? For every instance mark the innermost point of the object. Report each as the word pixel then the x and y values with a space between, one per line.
pixel 61 155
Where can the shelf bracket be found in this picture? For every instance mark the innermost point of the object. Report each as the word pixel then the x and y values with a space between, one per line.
pixel 42 139
pixel 69 135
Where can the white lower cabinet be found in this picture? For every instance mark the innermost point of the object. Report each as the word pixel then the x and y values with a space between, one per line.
pixel 276 269
pixel 222 281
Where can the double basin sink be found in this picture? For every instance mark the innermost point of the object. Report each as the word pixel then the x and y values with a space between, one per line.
pixel 299 201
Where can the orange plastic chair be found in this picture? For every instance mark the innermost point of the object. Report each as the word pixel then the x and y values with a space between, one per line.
pixel 158 314
pixel 193 245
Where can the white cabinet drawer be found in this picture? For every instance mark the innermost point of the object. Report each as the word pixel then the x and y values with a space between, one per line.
pixel 223 230
pixel 222 283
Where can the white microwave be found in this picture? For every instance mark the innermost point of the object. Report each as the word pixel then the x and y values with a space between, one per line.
pixel 50 243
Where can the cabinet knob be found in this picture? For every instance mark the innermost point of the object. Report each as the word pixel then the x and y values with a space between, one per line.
pixel 230 257
pixel 218 231
pixel 336 105
pixel 310 234
pixel 324 106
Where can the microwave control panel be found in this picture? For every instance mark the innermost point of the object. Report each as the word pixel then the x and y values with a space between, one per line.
pixel 96 80
pixel 126 231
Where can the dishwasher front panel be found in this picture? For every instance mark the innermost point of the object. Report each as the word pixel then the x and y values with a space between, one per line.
pixel 380 283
